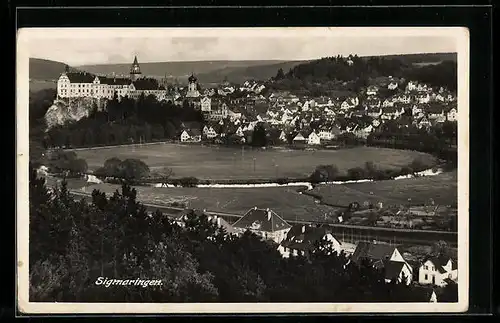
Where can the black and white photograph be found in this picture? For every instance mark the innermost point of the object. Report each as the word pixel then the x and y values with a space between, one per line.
pixel 242 170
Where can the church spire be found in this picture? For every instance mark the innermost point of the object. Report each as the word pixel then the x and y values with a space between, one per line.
pixel 135 70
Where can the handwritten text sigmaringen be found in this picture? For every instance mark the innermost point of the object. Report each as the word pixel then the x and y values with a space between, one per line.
pixel 104 281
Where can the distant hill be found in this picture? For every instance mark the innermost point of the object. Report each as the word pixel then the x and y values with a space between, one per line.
pixel 241 74
pixel 214 71
pixel 422 59
pixel 45 70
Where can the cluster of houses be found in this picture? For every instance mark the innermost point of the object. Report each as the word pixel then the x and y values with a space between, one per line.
pixel 314 121
pixel 300 119
pixel 303 239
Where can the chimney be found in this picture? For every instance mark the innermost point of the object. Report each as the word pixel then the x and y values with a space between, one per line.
pixel 268 214
pixel 303 229
pixel 218 221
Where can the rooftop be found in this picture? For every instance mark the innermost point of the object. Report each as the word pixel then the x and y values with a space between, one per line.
pixel 262 220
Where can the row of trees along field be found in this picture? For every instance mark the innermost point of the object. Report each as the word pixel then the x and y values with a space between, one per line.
pixel 72 243
pixel 319 77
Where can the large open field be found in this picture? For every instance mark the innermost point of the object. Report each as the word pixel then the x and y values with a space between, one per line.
pixel 283 200
pixel 214 162
pixel 442 188
pixel 292 205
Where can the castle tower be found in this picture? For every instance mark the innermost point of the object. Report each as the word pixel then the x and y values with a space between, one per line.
pixel 135 70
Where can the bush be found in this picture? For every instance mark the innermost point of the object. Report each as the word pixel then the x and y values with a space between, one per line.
pixel 356 173
pixel 77 166
pixel 418 165
pixel 406 170
pixel 282 181
pixel 133 169
pixel 188 181
pixel 324 173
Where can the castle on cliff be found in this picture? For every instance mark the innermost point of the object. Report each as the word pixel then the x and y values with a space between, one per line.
pixel 83 84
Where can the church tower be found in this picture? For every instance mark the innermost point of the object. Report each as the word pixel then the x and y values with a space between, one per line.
pixel 192 91
pixel 192 87
pixel 135 70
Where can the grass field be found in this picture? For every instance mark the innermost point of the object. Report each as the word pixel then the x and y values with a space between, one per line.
pixel 216 162
pixel 292 205
pixel 442 188
pixel 284 200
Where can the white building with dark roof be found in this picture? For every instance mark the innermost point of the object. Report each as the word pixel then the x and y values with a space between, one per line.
pixel 265 223
pixel 83 84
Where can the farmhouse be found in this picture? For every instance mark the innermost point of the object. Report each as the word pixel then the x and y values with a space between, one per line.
pixel 438 271
pixel 191 135
pixel 313 139
pixel 299 138
pixel 209 132
pixel 303 240
pixel 384 256
pixel 265 223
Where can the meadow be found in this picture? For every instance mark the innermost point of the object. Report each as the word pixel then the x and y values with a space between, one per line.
pixel 216 162
pixel 288 203
pixel 442 188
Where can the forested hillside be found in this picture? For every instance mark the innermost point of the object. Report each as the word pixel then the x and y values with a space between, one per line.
pixel 337 73
pixel 45 70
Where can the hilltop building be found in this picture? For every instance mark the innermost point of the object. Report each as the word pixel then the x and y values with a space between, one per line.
pixel 83 84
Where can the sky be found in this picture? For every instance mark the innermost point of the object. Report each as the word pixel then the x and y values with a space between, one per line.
pixel 112 46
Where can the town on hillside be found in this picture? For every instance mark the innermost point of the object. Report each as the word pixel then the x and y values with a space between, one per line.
pixel 232 111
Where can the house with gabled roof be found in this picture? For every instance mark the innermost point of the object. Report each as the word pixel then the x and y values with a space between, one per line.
pixel 283 136
pixel 265 223
pixel 422 122
pixel 191 135
pixel 386 256
pixel 209 132
pixel 304 239
pixel 299 138
pixel 313 138
pixel 438 271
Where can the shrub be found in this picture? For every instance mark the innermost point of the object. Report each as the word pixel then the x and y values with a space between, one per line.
pixel 406 170
pixel 324 173
pixel 418 165
pixel 188 181
pixel 356 173
pixel 282 181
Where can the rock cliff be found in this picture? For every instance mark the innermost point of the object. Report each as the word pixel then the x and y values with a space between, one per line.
pixel 64 111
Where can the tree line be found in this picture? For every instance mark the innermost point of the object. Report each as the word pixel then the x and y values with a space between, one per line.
pixel 319 77
pixel 73 243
